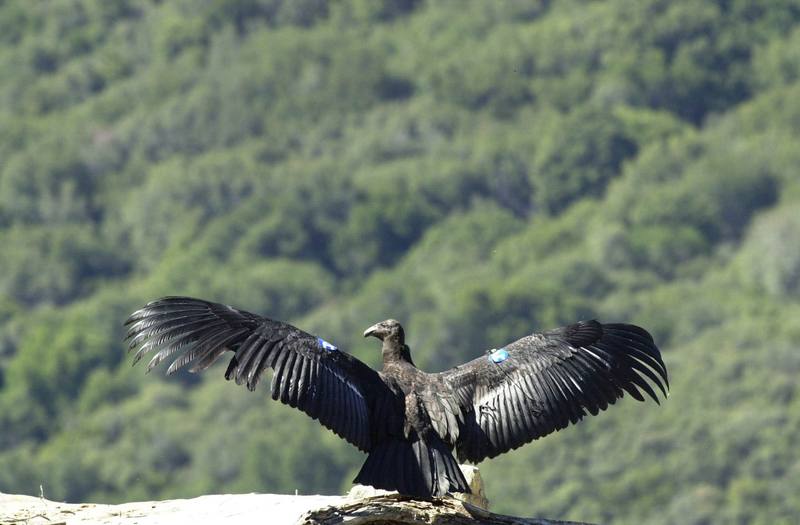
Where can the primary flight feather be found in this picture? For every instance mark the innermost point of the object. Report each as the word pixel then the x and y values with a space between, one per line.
pixel 409 421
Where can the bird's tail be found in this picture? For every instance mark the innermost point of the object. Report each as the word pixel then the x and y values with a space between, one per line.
pixel 415 467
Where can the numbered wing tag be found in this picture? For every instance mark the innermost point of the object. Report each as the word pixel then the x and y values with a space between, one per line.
pixel 498 355
pixel 325 345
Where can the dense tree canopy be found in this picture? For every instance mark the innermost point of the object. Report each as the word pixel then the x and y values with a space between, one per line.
pixel 633 161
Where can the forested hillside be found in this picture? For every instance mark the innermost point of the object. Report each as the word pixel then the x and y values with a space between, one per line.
pixel 477 170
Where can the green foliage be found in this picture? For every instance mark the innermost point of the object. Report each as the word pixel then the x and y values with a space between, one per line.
pixel 478 170
pixel 578 157
pixel 770 255
pixel 55 263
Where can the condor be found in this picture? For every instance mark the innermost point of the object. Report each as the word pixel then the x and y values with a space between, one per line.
pixel 410 422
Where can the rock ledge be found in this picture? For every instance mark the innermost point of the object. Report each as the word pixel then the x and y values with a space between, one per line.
pixel 271 509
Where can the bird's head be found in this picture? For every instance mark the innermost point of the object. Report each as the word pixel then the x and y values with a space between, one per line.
pixel 389 328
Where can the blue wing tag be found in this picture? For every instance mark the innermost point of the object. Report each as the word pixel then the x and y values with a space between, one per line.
pixel 325 345
pixel 499 355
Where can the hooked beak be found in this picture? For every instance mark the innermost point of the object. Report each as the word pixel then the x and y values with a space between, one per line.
pixel 371 330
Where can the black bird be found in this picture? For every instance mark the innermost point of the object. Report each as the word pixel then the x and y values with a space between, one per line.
pixel 407 420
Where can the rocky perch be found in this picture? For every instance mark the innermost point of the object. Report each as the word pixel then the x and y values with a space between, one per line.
pixel 362 506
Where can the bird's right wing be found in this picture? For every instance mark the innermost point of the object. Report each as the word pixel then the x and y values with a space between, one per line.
pixel 543 382
pixel 309 373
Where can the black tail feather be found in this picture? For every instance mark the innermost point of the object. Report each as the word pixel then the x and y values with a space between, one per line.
pixel 414 467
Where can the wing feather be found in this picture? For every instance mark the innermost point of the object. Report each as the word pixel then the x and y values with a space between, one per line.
pixel 327 384
pixel 294 378
pixel 207 340
pixel 257 344
pixel 215 349
pixel 279 367
pixel 516 425
pixel 302 383
pixel 288 373
pixel 593 398
pixel 325 395
pixel 549 380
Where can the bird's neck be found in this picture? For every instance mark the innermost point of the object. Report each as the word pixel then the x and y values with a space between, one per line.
pixel 395 351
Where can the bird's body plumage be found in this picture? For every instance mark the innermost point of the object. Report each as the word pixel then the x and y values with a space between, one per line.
pixel 407 420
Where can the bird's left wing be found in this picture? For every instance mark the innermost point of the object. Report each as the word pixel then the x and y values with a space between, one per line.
pixel 309 373
pixel 543 382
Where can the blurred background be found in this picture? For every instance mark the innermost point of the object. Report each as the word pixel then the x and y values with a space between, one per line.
pixel 477 170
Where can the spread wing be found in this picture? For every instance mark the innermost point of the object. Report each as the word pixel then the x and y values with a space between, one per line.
pixel 543 382
pixel 308 373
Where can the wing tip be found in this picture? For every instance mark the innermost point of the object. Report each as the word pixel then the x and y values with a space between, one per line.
pixel 637 344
